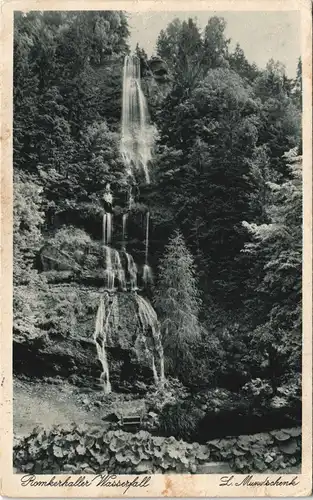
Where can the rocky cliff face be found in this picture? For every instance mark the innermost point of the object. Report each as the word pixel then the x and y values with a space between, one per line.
pixel 64 344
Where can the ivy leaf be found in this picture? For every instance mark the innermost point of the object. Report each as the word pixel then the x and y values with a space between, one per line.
pixel 173 452
pixel 57 451
pixel 289 448
pixel 238 453
pixel 100 457
pixel 144 466
pixel 259 464
pixel 295 432
pixel 280 435
pixel 81 450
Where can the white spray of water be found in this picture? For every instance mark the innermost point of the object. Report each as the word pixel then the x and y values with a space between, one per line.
pixel 136 135
pixel 119 271
pixel 147 276
pixel 149 320
pixel 124 228
pixel 147 237
pixel 132 272
pixel 100 338
pixel 154 370
pixel 113 270
pixel 109 273
pixel 136 147
pixel 107 228
pixel 104 228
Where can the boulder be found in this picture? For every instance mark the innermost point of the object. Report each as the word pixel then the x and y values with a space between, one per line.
pixel 159 69
pixel 89 256
pixel 55 259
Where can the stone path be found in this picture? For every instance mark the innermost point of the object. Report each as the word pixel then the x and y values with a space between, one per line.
pixel 45 404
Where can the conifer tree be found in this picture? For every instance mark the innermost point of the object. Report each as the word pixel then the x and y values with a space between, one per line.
pixel 177 301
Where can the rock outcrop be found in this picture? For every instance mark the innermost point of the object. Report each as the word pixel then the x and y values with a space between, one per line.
pixel 64 344
pixel 66 347
pixel 159 69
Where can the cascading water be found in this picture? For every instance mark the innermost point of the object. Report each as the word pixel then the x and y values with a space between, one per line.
pixel 149 320
pixel 136 141
pixel 109 274
pixel 107 228
pixel 107 216
pixel 154 371
pixel 120 273
pixel 136 147
pixel 147 237
pixel 124 226
pixel 132 272
pixel 104 228
pixel 100 338
pixel 147 276
pixel 107 324
pixel 136 134
pixel 113 270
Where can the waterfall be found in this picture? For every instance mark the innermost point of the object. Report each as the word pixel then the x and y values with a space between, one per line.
pixel 147 276
pixel 136 135
pixel 154 370
pixel 144 140
pixel 107 228
pixel 149 320
pixel 124 225
pixel 132 272
pixel 109 273
pixel 100 338
pixel 107 322
pixel 113 269
pixel 104 226
pixel 119 270
pixel 147 237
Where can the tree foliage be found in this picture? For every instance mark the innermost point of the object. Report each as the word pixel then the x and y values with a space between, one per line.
pixel 278 245
pixel 177 301
pixel 223 128
pixel 27 237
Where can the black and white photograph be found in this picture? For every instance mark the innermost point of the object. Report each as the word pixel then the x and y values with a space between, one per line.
pixel 157 243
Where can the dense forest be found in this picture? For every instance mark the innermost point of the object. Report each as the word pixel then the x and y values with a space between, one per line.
pixel 225 197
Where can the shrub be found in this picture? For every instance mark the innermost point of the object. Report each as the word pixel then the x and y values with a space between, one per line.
pixel 180 420
pixel 258 388
pixel 71 236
